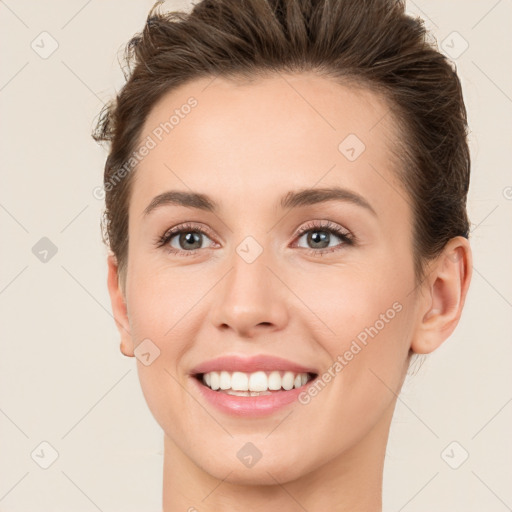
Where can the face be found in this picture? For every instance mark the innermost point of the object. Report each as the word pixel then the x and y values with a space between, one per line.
pixel 322 281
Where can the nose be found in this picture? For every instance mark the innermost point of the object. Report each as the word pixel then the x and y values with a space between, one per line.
pixel 250 299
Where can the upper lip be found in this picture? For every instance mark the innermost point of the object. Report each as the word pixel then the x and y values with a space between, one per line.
pixel 262 362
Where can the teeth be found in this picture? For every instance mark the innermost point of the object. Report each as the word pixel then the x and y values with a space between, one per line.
pixel 253 384
pixel 239 381
pixel 214 380
pixel 247 393
pixel 224 380
pixel 274 381
pixel 258 381
pixel 288 380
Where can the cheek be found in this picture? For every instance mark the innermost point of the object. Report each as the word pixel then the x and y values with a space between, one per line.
pixel 346 302
pixel 367 363
pixel 363 322
pixel 158 300
pixel 155 309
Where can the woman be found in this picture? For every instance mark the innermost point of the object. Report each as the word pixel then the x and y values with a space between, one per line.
pixel 286 212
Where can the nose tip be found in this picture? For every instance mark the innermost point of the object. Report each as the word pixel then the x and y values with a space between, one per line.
pixel 249 300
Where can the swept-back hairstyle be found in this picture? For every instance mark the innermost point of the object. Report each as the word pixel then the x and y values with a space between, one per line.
pixel 368 43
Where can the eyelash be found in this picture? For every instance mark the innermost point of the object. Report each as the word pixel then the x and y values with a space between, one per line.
pixel 347 238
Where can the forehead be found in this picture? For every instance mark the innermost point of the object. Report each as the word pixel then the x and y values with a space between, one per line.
pixel 247 141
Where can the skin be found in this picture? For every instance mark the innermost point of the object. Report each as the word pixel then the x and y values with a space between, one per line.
pixel 243 148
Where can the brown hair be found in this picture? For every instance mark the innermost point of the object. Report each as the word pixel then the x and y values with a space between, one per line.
pixel 370 43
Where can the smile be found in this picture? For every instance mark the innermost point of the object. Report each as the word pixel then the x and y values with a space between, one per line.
pixel 254 384
pixel 251 386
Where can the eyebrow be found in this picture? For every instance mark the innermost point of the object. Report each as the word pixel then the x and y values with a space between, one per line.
pixel 293 199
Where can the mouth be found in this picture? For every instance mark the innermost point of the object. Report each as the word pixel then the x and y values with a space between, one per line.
pixel 257 383
pixel 255 386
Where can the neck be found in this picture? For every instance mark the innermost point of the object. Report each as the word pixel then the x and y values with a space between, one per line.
pixel 350 481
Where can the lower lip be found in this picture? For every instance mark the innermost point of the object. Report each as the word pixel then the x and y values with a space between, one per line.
pixel 250 406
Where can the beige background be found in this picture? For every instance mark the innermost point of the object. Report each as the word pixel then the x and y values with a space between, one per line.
pixel 62 378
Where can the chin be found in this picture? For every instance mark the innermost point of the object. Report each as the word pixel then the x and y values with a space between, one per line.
pixel 265 471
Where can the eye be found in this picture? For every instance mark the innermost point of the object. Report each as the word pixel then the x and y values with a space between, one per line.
pixel 184 240
pixel 318 234
pixel 187 239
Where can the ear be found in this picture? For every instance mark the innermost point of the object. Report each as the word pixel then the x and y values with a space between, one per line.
pixel 119 308
pixel 443 296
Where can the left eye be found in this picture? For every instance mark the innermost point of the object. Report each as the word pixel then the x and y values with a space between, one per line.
pixel 319 237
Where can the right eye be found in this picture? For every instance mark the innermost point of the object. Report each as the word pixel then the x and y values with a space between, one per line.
pixel 183 240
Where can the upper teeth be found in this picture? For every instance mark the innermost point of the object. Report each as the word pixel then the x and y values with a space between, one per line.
pixel 257 381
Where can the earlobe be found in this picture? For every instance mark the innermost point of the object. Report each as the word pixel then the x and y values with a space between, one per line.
pixel 444 296
pixel 119 308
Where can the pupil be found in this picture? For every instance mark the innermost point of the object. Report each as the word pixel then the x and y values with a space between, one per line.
pixel 319 237
pixel 190 238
